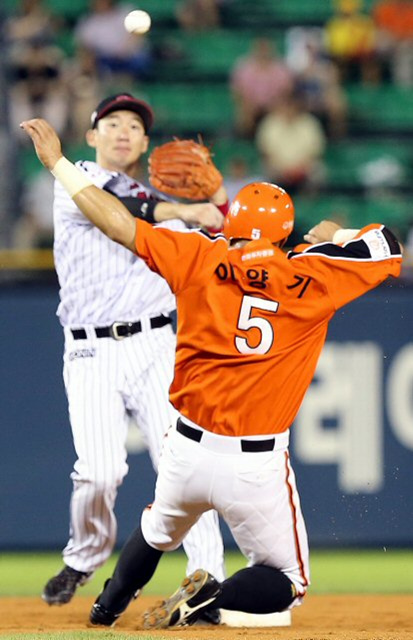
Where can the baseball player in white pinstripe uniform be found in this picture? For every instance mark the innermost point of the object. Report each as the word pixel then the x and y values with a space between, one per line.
pixel 119 345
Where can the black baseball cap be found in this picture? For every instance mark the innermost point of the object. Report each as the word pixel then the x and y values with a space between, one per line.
pixel 123 101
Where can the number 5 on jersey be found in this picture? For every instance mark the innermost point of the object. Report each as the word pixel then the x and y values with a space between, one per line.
pixel 246 322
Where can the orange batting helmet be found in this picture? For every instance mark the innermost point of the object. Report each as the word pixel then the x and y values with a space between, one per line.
pixel 260 210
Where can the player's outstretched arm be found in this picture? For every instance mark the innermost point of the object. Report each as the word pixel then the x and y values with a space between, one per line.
pixel 203 214
pixel 329 231
pixel 101 208
pixel 185 169
pixel 322 232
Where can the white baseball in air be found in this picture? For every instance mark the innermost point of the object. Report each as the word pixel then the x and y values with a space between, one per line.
pixel 137 21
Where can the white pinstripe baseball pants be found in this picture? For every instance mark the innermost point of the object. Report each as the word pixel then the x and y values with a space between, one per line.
pixel 105 380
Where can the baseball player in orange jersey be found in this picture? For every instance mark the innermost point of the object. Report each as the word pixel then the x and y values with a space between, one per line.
pixel 252 321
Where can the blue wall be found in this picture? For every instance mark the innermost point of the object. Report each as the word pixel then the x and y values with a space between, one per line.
pixel 352 445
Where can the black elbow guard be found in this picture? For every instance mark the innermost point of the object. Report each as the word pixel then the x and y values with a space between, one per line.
pixel 392 241
pixel 140 208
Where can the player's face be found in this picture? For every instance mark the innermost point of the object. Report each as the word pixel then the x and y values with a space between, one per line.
pixel 119 140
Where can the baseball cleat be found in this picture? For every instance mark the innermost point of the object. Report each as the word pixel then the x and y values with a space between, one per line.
pixel 210 616
pixel 61 588
pixel 99 615
pixel 185 606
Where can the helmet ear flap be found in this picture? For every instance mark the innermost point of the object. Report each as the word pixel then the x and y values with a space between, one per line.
pixel 260 210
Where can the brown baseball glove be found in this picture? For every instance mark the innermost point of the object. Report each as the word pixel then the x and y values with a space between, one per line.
pixel 184 169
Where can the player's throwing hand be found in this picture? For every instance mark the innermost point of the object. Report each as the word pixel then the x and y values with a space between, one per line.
pixel 45 140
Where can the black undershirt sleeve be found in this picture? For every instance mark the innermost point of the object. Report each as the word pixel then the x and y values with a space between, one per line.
pixel 140 208
pixel 143 208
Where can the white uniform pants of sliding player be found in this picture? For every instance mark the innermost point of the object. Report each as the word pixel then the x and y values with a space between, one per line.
pixel 105 380
pixel 255 492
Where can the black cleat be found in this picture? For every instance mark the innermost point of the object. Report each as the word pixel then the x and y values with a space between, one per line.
pixel 61 588
pixel 186 605
pixel 210 616
pixel 99 615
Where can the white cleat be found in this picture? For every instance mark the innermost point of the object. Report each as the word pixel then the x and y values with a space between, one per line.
pixel 187 603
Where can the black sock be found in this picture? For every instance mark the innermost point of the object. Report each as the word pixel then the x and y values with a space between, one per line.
pixel 136 565
pixel 257 589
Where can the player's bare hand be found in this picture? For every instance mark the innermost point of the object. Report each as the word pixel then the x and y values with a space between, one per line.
pixel 220 196
pixel 45 140
pixel 204 214
pixel 322 232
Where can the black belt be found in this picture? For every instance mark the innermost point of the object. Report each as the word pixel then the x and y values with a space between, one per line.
pixel 250 446
pixel 120 330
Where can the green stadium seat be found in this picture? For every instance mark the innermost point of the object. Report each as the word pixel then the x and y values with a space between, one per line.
pixel 394 211
pixel 282 13
pixel 185 109
pixel 28 164
pixel 79 152
pixel 382 108
pixel 66 8
pixel 162 12
pixel 71 10
pixel 65 41
pixel 277 13
pixel 214 53
pixel 347 161
pixel 204 56
pixel 355 212
pixel 9 7
pixel 225 149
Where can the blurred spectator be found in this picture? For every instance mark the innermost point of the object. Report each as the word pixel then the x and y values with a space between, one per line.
pixel 34 229
pixel 394 20
pixel 258 81
pixel 350 39
pixel 195 15
pixel 291 143
pixel 36 88
pixel 296 45
pixel 117 52
pixel 84 92
pixel 32 23
pixel 237 174
pixel 317 80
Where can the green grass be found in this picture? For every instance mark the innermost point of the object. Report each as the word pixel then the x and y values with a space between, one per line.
pixel 349 571
pixel 24 574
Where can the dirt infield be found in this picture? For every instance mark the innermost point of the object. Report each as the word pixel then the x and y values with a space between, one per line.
pixel 336 617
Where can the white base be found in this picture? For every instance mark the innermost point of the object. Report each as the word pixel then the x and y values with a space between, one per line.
pixel 241 619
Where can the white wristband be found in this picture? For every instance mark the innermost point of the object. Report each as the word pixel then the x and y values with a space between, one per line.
pixel 70 177
pixel 344 235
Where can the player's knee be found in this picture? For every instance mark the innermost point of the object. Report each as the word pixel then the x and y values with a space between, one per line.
pixel 102 482
pixel 159 537
pixel 282 591
pixel 109 482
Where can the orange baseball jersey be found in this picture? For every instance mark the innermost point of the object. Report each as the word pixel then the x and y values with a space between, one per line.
pixel 252 321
